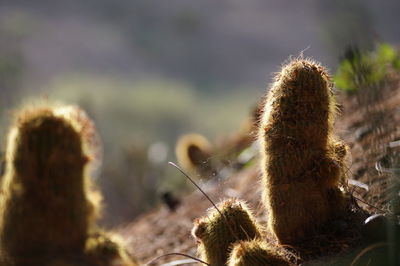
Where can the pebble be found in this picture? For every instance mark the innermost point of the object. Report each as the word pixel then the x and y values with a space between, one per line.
pixel 379 227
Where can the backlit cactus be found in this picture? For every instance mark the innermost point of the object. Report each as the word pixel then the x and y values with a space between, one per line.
pixel 193 152
pixel 255 253
pixel 104 249
pixel 302 161
pixel 48 206
pixel 216 232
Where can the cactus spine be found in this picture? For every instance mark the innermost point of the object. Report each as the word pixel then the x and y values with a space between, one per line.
pixel 216 233
pixel 302 160
pixel 255 253
pixel 48 206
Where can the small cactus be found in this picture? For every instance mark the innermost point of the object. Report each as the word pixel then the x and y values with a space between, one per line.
pixel 48 206
pixel 255 253
pixel 193 152
pixel 302 161
pixel 103 249
pixel 216 232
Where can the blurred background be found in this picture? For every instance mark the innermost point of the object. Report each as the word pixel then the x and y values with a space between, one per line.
pixel 149 71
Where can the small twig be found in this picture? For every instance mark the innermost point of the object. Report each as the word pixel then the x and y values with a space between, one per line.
pixel 179 262
pixel 359 255
pixel 197 186
pixel 369 204
pixel 215 206
pixel 176 253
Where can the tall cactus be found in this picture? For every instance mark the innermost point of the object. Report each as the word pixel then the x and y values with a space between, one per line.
pixel 218 231
pixel 48 206
pixel 302 161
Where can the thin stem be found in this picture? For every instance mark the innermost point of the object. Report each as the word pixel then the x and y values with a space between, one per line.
pixel 176 253
pixel 369 204
pixel 377 245
pixel 197 186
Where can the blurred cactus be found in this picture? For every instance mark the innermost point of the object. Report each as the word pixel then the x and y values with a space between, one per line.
pixel 104 250
pixel 193 152
pixel 45 204
pixel 217 231
pixel 49 206
pixel 303 162
pixel 255 253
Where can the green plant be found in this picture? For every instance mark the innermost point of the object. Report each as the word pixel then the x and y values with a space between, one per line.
pixel 217 231
pixel 48 206
pixel 302 161
pixel 255 253
pixel 360 69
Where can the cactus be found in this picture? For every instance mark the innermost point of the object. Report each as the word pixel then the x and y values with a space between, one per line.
pixel 303 162
pixel 193 152
pixel 216 232
pixel 104 249
pixel 255 253
pixel 48 206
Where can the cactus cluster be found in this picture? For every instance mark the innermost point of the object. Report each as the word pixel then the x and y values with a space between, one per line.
pixel 303 167
pixel 232 226
pixel 49 205
pixel 217 231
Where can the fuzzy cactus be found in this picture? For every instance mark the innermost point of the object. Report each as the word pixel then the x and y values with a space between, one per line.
pixel 104 249
pixel 193 152
pixel 217 231
pixel 48 206
pixel 303 162
pixel 255 253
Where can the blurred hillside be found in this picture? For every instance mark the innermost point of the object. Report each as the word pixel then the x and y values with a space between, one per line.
pixel 202 42
pixel 149 71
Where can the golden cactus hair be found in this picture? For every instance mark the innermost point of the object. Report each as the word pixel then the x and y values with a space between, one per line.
pixel 193 152
pixel 302 160
pixel 217 231
pixel 104 249
pixel 256 253
pixel 44 204
pixel 49 204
